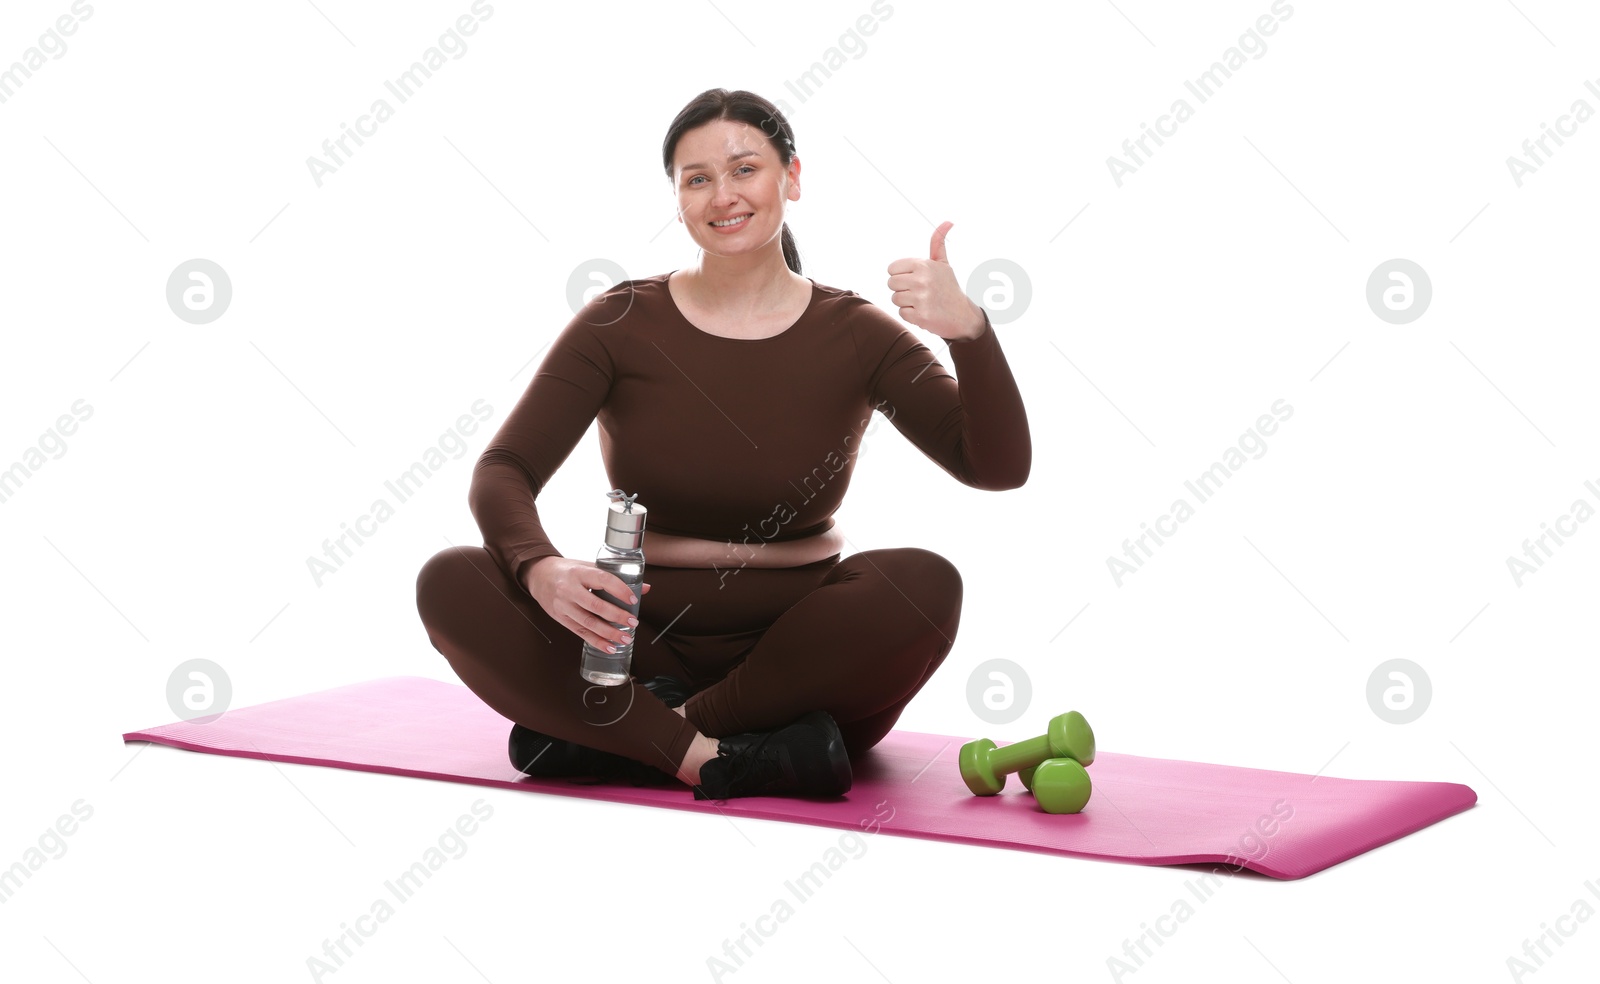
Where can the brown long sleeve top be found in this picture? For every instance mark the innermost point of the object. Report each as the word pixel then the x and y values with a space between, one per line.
pixel 742 440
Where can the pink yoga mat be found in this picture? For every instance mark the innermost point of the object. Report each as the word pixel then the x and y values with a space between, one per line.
pixel 1143 810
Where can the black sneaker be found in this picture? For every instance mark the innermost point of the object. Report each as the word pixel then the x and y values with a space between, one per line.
pixel 537 754
pixel 806 757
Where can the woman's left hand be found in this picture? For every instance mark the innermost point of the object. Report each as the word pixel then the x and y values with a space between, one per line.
pixel 929 296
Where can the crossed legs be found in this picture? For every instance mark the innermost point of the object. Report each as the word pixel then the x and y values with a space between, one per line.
pixel 857 639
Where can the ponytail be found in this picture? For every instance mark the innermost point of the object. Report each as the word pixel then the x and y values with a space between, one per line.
pixel 791 255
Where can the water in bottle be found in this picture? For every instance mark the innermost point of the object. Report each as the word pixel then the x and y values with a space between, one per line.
pixel 622 555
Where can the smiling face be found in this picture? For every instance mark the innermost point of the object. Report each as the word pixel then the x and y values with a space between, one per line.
pixel 728 169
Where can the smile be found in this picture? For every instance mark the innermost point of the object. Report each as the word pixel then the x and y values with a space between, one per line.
pixel 725 223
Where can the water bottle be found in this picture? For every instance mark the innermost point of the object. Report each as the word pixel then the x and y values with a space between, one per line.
pixel 622 554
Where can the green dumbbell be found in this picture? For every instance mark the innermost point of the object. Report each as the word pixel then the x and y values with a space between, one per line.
pixel 984 766
pixel 1025 776
pixel 1061 785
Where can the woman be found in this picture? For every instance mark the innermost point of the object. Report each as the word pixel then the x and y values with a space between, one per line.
pixel 732 397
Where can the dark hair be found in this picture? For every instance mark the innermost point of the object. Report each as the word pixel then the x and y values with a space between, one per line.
pixel 721 104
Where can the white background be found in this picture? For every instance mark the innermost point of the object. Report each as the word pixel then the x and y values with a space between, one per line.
pixel 1167 314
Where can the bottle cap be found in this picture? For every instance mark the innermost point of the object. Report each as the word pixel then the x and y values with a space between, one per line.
pixel 625 519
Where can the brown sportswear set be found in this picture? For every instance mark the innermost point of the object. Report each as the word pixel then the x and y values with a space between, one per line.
pixel 742 440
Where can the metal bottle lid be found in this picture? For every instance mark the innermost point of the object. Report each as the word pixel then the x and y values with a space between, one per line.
pixel 625 519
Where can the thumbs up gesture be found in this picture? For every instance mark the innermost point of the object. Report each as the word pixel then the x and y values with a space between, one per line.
pixel 929 297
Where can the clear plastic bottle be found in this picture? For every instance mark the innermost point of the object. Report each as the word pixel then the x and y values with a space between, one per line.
pixel 622 554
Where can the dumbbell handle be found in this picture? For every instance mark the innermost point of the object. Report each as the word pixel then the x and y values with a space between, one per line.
pixel 1020 754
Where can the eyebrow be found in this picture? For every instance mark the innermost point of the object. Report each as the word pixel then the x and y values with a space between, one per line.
pixel 731 158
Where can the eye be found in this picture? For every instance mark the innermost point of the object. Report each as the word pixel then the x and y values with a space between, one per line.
pixel 741 167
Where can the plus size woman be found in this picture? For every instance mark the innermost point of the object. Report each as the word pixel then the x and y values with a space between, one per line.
pixel 732 398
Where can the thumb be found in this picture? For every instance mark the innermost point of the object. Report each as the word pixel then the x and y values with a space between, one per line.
pixel 936 245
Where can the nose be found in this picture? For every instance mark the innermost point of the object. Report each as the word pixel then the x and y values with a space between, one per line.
pixel 722 193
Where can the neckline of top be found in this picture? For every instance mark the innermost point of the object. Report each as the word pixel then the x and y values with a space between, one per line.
pixel 811 304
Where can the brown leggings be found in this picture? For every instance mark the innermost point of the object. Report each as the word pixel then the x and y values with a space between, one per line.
pixel 760 647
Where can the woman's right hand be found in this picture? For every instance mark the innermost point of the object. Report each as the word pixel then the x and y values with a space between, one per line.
pixel 562 587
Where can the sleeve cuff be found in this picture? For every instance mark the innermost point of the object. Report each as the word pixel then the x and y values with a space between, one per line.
pixel 987 334
pixel 519 567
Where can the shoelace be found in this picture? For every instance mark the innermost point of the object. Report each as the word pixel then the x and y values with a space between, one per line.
pixel 750 763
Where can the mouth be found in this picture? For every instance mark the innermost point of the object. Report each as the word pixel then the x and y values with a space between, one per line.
pixel 734 222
